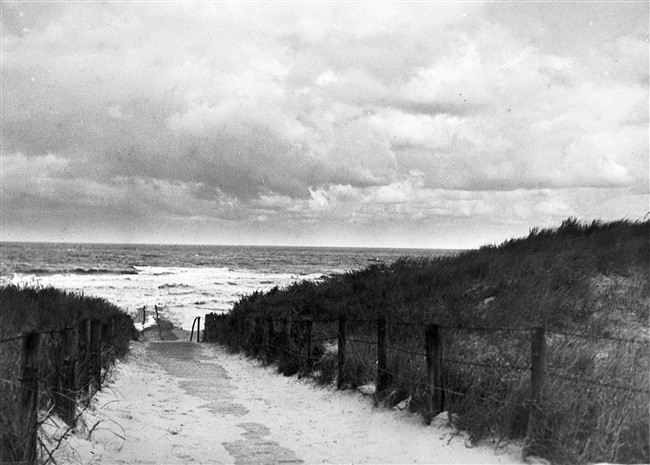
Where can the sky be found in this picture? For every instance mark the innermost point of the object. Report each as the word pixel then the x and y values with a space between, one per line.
pixel 428 124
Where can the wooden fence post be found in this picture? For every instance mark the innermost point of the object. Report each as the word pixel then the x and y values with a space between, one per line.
pixel 59 391
pixel 268 337
pixel 144 316
pixel 206 333
pixel 537 378
pixel 69 383
pixel 95 354
pixel 105 335
pixel 285 340
pixel 433 347
pixel 29 395
pixel 160 331
pixel 308 358
pixel 258 335
pixel 83 372
pixel 382 365
pixel 341 349
pixel 113 328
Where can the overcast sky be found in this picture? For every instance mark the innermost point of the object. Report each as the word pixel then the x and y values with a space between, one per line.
pixel 357 124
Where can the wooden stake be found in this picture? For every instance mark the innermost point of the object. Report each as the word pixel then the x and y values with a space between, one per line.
pixel 83 371
pixel 268 337
pixel 537 378
pixel 433 347
pixel 29 395
pixel 95 354
pixel 308 359
pixel 69 384
pixel 341 349
pixel 382 365
pixel 258 336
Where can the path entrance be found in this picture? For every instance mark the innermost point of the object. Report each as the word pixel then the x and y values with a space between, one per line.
pixel 187 403
pixel 202 376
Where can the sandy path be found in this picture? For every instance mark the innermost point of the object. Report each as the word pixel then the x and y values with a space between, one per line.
pixel 180 402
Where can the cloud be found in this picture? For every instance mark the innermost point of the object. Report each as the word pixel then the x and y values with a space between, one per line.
pixel 359 112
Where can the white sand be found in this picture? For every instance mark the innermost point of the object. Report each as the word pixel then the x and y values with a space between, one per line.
pixel 157 410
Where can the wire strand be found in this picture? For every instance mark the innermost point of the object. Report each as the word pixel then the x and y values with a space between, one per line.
pixel 579 379
pixel 487 365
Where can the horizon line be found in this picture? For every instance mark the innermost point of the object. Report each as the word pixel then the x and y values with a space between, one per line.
pixel 230 245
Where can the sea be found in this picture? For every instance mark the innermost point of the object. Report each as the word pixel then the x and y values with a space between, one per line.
pixel 180 281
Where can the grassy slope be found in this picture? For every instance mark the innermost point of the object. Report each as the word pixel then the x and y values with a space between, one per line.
pixel 590 279
pixel 44 309
pixel 557 278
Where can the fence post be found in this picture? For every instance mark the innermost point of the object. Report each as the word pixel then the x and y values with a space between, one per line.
pixel 105 335
pixel 268 338
pixel 83 371
pixel 29 395
pixel 285 340
pixel 308 327
pixel 59 393
pixel 95 354
pixel 112 328
pixel 537 378
pixel 160 332
pixel 144 316
pixel 68 385
pixel 258 335
pixel 382 365
pixel 433 347
pixel 341 349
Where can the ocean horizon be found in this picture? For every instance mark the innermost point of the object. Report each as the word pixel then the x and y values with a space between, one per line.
pixel 183 280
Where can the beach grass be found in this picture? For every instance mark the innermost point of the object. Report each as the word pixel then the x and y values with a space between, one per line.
pixel 45 310
pixel 586 284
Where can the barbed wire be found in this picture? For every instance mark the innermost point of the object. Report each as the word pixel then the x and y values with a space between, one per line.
pixel 406 351
pixel 405 323
pixel 453 327
pixel 324 339
pixel 600 338
pixel 360 320
pixel 497 366
pixel 25 333
pixel 484 394
pixel 11 339
pixel 513 329
pixel 580 379
pixel 362 341
pixel 286 350
pixel 487 365
pixel 413 380
pixel 47 331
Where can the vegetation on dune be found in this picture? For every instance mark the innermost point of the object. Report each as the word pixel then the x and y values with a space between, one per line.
pixel 587 284
pixel 45 310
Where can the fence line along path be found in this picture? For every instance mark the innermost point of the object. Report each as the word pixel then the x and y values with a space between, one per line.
pixel 182 402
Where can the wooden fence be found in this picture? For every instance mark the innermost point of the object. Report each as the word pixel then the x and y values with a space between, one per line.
pixel 76 375
pixel 265 339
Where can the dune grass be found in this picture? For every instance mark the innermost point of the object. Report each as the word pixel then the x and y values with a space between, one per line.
pixel 587 284
pixel 43 309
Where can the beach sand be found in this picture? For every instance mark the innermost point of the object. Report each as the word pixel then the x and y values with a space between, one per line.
pixel 179 402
